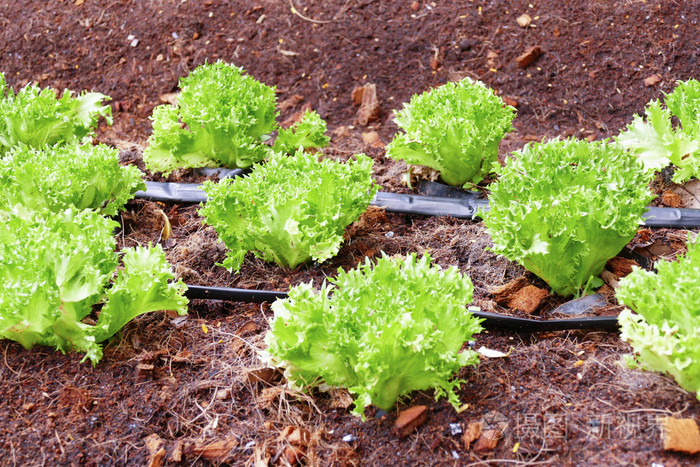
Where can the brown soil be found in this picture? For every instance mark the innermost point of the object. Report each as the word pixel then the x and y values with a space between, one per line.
pixel 172 389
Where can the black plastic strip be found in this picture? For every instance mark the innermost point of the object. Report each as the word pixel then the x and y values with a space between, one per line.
pixel 238 295
pixel 428 205
pixel 679 218
pixel 491 320
pixel 494 320
pixel 173 192
pixel 463 207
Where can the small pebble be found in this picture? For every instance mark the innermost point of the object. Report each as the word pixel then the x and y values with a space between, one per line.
pixel 349 438
pixel 389 234
pixel 455 454
pixel 455 429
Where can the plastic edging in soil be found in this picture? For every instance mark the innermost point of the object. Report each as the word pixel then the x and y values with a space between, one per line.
pixel 491 320
pixel 454 203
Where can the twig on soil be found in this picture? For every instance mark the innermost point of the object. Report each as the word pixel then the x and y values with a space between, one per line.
pixel 7 364
pixel 60 444
pixel 317 21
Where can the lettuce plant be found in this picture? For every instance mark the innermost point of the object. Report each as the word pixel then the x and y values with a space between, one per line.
pixel 306 133
pixel 221 118
pixel 563 208
pixel 55 266
pixel 664 329
pixel 37 117
pixel 454 129
pixel 381 331
pixel 657 143
pixel 56 177
pixel 290 209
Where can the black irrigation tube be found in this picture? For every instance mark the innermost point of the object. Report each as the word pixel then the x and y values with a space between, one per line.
pixel 437 200
pixel 491 320
pixel 450 202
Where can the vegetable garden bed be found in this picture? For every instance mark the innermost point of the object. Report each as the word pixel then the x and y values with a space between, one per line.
pixel 191 389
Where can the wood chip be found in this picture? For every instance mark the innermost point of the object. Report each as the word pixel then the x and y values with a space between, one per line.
pixel 298 436
pixel 371 138
pixel 610 279
pixel 681 434
pixel 369 107
pixel 340 398
pixel 156 450
pixel 671 199
pixel 621 266
pixel 652 80
pixel 488 441
pixel 215 451
pixel 175 454
pixel 262 375
pixel 247 328
pixel 527 299
pixel 410 419
pixel 293 454
pixel 507 100
pixel 472 434
pixel 504 293
pixel 435 59
pixel 527 58
pixel 524 20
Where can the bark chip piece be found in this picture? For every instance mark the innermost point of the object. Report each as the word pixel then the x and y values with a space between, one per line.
pixel 524 20
pixel 681 434
pixel 472 434
pixel 527 299
pixel 528 57
pixel 410 419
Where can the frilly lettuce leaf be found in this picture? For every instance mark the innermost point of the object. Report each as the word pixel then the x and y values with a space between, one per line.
pixel 454 129
pixel 306 133
pixel 381 330
pixel 221 119
pixel 55 266
pixel 657 143
pixel 563 208
pixel 664 329
pixel 144 285
pixel 290 209
pixel 37 117
pixel 57 177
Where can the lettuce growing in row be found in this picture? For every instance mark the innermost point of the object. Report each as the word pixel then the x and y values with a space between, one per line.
pixel 309 132
pixel 381 331
pixel 454 129
pixel 289 210
pixel 657 143
pixel 563 208
pixel 55 266
pixel 37 117
pixel 222 118
pixel 664 329
pixel 57 177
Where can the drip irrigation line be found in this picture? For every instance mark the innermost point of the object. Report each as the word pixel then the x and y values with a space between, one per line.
pixel 238 295
pixel 458 203
pixel 491 320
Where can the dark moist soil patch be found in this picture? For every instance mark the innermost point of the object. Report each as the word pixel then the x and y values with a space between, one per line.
pixel 180 388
